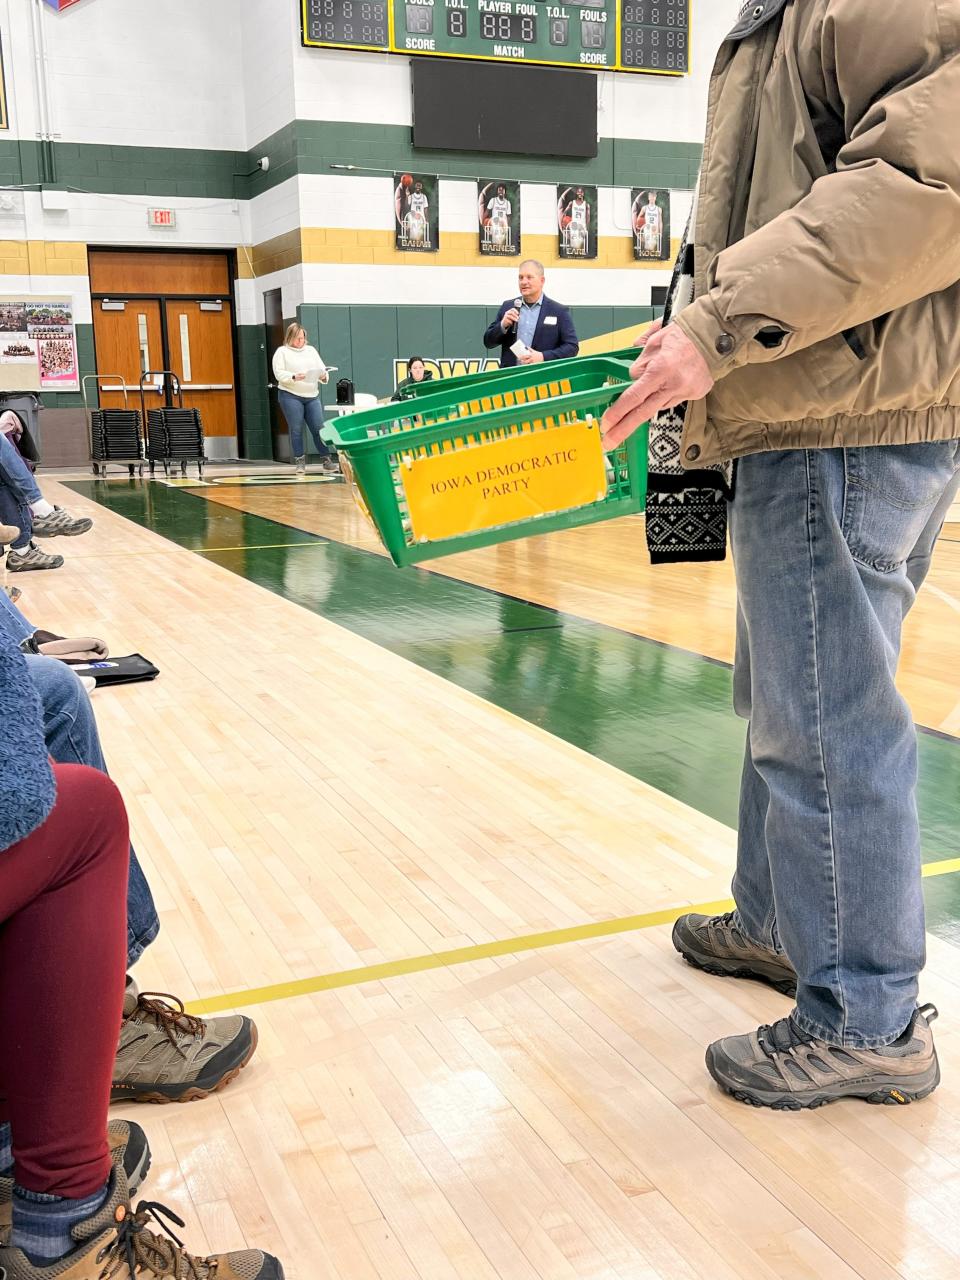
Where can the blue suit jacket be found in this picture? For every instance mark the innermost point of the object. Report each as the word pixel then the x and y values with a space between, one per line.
pixel 556 340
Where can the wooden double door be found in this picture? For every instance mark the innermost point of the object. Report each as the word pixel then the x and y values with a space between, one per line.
pixel 181 323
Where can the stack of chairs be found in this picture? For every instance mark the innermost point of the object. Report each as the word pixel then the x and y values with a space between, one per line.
pixel 116 435
pixel 174 435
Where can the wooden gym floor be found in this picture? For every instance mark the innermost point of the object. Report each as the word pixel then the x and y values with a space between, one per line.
pixel 430 829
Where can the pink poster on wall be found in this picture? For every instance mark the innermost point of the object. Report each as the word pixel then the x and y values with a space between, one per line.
pixel 50 325
pixel 58 361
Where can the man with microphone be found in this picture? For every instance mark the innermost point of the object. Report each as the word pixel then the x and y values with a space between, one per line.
pixel 532 327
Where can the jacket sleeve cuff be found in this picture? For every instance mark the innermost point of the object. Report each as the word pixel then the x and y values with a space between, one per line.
pixel 723 345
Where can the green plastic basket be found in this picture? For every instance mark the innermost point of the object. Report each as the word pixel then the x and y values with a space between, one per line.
pixel 381 449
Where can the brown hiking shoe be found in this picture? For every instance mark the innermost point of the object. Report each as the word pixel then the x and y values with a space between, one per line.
pixel 60 523
pixel 716 945
pixel 165 1055
pixel 116 1242
pixel 128 1147
pixel 787 1069
pixel 31 557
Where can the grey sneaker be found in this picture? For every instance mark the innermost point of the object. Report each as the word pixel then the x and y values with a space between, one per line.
pixel 31 557
pixel 301 466
pixel 331 467
pixel 60 524
pixel 128 1147
pixel 715 945
pixel 165 1055
pixel 784 1068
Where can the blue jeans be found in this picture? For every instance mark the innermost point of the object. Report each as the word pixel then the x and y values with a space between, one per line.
pixel 17 490
pixel 12 622
pixel 298 411
pixel 71 735
pixel 831 546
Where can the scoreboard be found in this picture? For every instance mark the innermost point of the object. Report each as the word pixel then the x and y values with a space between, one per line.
pixel 618 35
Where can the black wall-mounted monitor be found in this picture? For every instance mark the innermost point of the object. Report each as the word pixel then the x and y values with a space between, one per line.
pixel 480 106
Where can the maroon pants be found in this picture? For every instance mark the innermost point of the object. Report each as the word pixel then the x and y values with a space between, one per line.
pixel 63 936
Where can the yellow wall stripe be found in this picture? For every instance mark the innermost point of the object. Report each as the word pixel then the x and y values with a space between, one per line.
pixel 460 248
pixel 43 258
pixel 615 341
pixel 457 249
pixel 336 244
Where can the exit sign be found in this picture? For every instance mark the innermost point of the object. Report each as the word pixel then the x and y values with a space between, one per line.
pixel 162 217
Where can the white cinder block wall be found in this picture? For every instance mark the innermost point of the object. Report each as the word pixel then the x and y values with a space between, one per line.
pixel 227 74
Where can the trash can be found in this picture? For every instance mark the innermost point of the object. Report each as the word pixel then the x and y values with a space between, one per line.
pixel 27 404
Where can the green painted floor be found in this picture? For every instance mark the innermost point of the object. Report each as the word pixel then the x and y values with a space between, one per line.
pixel 660 714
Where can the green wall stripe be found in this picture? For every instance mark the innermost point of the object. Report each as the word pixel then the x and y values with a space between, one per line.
pixel 109 170
pixel 252 378
pixel 311 146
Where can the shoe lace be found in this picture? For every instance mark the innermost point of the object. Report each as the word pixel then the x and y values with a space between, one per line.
pixel 783 1037
pixel 722 923
pixel 170 1015
pixel 147 1252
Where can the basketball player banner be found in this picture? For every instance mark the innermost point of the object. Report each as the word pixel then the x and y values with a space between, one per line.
pixel 498 211
pixel 416 207
pixel 650 221
pixel 577 221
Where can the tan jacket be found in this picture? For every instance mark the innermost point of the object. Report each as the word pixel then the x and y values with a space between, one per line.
pixel 827 244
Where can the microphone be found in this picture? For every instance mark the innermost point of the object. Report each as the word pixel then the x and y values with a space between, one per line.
pixel 518 303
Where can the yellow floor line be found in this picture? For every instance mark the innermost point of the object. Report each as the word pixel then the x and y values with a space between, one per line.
pixel 267 546
pixel 482 951
pixel 176 549
pixel 445 959
pixel 945 867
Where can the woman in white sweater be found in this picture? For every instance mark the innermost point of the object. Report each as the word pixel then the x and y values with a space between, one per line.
pixel 299 371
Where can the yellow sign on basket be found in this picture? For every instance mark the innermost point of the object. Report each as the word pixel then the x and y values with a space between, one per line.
pixel 487 485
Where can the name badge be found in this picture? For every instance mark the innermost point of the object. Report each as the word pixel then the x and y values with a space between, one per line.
pixel 550 320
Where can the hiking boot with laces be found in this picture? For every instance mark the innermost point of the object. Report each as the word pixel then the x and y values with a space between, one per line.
pixel 60 524
pixel 116 1243
pixel 31 557
pixel 166 1055
pixel 784 1068
pixel 128 1148
pixel 716 945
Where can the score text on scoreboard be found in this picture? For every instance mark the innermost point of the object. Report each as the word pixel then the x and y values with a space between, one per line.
pixel 620 35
